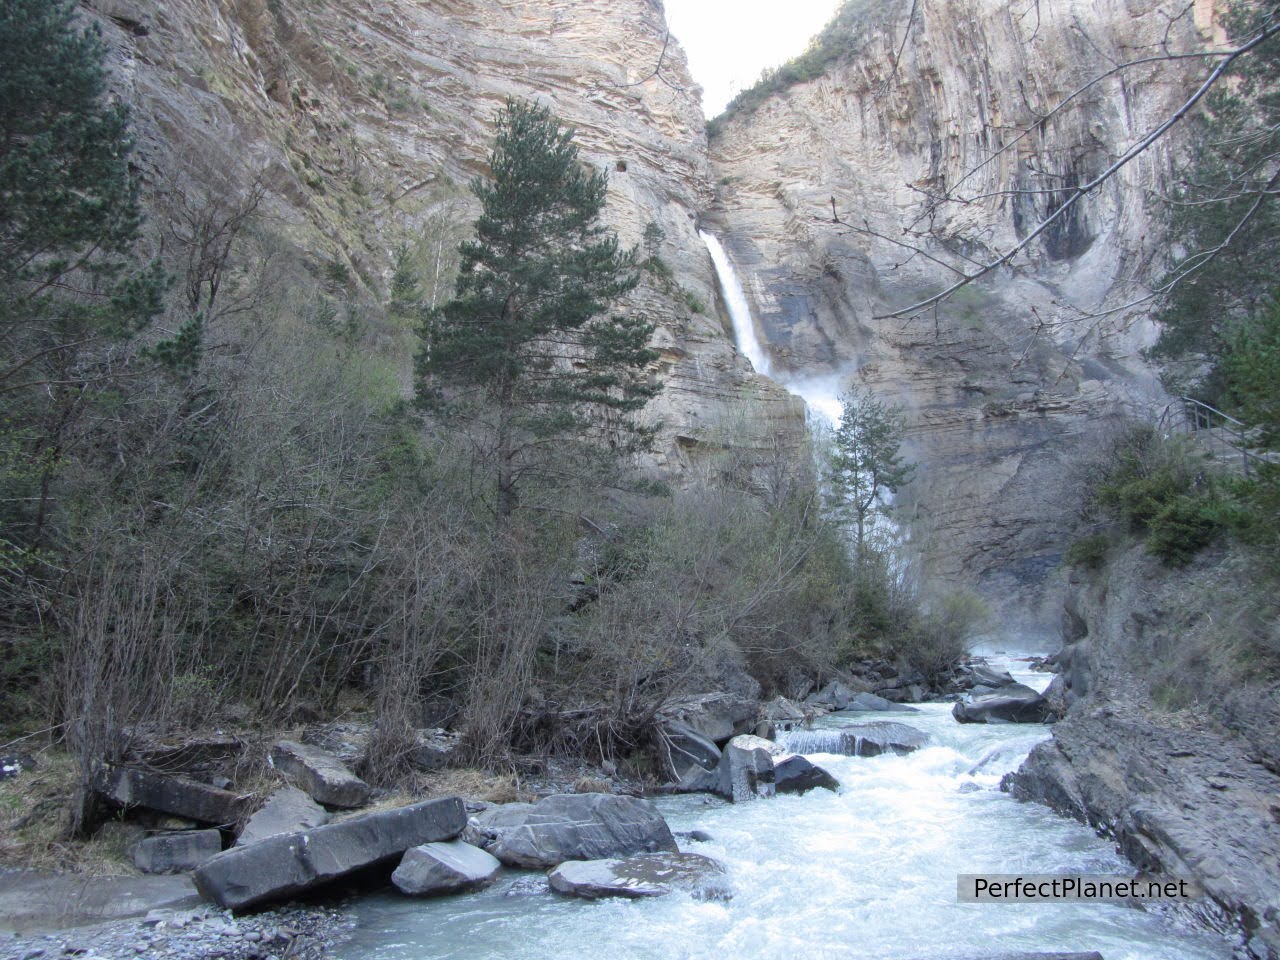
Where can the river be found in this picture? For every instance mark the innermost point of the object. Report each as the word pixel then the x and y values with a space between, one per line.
pixel 868 873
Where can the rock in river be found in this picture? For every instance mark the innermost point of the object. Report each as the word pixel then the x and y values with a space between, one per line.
pixel 281 866
pixel 570 826
pixel 644 875
pixel 436 868
pixel 1012 703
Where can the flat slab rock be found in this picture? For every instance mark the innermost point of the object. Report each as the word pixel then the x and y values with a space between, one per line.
pixel 644 875
pixel 176 852
pixel 31 901
pixel 570 826
pixel 453 867
pixel 321 774
pixel 279 867
pixel 288 810
pixel 127 787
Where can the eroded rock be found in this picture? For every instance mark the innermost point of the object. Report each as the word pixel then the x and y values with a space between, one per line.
pixel 577 826
pixel 321 774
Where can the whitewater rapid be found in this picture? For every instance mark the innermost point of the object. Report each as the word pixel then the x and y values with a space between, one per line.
pixel 868 873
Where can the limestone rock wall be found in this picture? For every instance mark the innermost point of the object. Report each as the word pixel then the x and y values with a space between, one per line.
pixel 1008 379
pixel 366 121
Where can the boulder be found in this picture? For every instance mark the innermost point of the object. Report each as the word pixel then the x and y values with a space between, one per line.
pixel 834 696
pixel 746 769
pixel 687 751
pixel 288 810
pixel 980 674
pixel 570 826
pixel 437 868
pixel 127 787
pixel 714 716
pixel 320 773
pixel 871 702
pixel 176 852
pixel 1013 703
pixel 795 774
pixel 287 864
pixel 857 740
pixel 784 714
pixel 644 875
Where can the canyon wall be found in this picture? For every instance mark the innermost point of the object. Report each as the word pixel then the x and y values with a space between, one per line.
pixel 826 194
pixel 365 122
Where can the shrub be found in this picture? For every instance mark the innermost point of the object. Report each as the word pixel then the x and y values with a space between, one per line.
pixel 1089 552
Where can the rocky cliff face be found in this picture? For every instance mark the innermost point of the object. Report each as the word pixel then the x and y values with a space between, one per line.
pixel 1008 378
pixel 1169 744
pixel 365 122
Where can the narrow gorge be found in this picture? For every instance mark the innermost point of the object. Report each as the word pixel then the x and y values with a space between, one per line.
pixel 290 608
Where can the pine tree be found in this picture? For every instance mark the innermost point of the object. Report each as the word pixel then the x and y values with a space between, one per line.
pixel 527 343
pixel 865 461
pixel 69 218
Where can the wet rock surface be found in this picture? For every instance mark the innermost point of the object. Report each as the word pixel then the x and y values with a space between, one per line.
pixel 746 769
pixel 437 868
pixel 644 875
pixel 1178 802
pixel 1012 703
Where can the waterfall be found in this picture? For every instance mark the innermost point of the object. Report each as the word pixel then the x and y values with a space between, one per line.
pixel 821 394
pixel 735 299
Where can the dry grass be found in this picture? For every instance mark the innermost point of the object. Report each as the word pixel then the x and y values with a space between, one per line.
pixel 471 783
pixel 34 821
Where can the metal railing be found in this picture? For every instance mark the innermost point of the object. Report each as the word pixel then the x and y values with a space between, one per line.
pixel 1221 435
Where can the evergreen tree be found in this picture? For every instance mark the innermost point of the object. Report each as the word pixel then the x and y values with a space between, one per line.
pixel 865 461
pixel 69 218
pixel 1224 211
pixel 527 343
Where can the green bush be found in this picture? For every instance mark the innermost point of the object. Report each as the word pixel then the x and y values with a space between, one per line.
pixel 1159 487
pixel 1089 552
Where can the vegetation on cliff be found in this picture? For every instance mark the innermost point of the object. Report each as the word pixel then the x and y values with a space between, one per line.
pixel 221 506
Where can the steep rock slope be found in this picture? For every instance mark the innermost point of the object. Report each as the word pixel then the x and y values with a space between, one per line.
pixel 365 122
pixel 1169 744
pixel 1012 374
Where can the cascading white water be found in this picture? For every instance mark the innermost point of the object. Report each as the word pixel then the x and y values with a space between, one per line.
pixel 821 394
pixel 735 300
pixel 868 873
